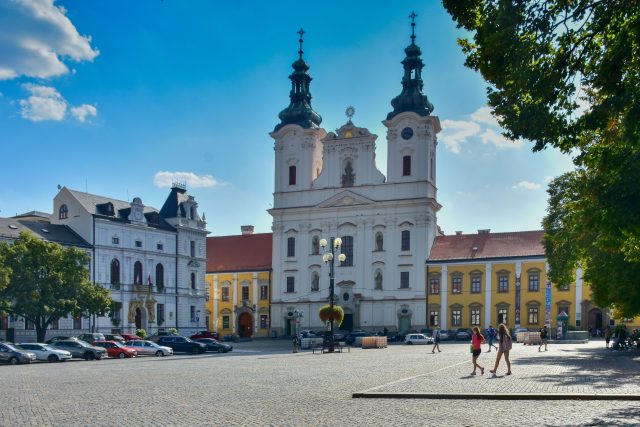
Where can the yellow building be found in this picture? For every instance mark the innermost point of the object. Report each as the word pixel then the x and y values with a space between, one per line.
pixel 490 278
pixel 238 281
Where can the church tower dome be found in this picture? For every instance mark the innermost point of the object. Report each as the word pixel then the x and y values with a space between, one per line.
pixel 411 98
pixel 299 111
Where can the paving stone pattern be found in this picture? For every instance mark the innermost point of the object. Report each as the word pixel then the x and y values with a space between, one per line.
pixel 263 383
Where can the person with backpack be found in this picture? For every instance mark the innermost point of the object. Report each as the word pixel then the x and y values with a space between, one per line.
pixel 436 340
pixel 504 347
pixel 544 333
pixel 491 335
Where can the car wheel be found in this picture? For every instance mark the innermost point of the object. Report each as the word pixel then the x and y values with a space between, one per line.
pixel 221 350
pixel 122 355
pixel 88 356
pixel 159 353
pixel 53 358
pixel 410 342
pixel 14 361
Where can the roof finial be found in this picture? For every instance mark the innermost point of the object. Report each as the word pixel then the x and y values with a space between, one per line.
pixel 413 27
pixel 350 112
pixel 301 32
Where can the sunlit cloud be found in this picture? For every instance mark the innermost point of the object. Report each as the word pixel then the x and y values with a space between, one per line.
pixel 83 111
pixel 526 185
pixel 166 179
pixel 44 103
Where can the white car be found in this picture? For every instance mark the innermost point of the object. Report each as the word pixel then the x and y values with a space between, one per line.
pixel 46 352
pixel 418 339
pixel 149 348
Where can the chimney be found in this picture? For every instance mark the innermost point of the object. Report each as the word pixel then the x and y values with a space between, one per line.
pixel 484 231
pixel 246 229
pixel 458 233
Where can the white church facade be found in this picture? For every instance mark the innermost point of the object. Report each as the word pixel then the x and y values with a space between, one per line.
pixel 327 185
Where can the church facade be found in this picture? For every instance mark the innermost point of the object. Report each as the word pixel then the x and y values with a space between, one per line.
pixel 327 186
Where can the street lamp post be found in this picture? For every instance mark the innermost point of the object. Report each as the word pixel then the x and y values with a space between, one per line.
pixel 328 258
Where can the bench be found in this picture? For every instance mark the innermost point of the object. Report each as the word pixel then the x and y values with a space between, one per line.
pixel 325 347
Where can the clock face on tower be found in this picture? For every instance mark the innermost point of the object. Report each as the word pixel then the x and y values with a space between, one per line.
pixel 137 215
pixel 407 133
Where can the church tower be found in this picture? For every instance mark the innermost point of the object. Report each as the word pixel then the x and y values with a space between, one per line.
pixel 411 135
pixel 298 146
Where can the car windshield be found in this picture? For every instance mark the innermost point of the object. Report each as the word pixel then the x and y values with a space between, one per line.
pixel 47 347
pixel 117 344
pixel 10 347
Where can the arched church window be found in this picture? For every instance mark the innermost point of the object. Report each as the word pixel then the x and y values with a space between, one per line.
pixel 406 165
pixel 292 175
pixel 315 281
pixel 378 280
pixel 160 277
pixel 115 272
pixel 137 273
pixel 315 245
pixel 193 280
pixel 379 241
pixel 63 212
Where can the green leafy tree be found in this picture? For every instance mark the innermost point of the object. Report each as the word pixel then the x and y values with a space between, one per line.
pixel 47 282
pixel 566 73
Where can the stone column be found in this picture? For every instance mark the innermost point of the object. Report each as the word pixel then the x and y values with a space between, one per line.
pixel 215 303
pixel 578 312
pixel 234 289
pixel 518 292
pixel 255 304
pixel 444 288
pixel 487 294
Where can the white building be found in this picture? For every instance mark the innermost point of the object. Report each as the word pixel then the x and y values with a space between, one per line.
pixel 327 185
pixel 152 261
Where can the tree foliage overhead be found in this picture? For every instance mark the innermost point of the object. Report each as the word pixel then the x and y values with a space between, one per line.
pixel 566 73
pixel 47 282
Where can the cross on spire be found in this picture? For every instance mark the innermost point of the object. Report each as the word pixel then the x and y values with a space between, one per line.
pixel 301 32
pixel 413 27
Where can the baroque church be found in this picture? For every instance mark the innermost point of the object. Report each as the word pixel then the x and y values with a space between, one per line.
pixel 327 186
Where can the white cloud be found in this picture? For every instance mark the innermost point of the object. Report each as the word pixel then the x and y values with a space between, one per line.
pixel 45 103
pixel 83 111
pixel 456 132
pixel 495 138
pixel 526 185
pixel 166 179
pixel 36 38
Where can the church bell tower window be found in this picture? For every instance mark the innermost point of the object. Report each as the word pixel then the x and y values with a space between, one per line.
pixel 292 175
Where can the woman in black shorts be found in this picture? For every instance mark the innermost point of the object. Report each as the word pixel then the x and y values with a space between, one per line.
pixel 476 342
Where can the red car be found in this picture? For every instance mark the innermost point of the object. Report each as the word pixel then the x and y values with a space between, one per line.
pixel 205 334
pixel 115 349
pixel 130 337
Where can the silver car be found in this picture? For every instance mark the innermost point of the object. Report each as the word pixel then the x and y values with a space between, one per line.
pixel 149 348
pixel 46 352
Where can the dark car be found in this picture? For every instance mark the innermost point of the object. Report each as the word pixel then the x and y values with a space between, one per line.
pixel 155 337
pixel 80 349
pixel 89 338
pixel 462 334
pixel 60 338
pixel 182 345
pixel 13 355
pixel 351 338
pixel 215 345
pixel 205 334
pixel 114 337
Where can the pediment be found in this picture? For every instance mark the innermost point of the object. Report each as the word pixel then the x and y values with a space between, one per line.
pixel 345 198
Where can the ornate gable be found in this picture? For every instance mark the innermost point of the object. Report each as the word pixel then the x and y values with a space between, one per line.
pixel 345 198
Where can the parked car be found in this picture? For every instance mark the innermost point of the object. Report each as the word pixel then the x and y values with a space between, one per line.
pixel 418 339
pixel 45 352
pixel 149 347
pixel 89 338
pixel 205 334
pixel 129 337
pixel 80 349
pixel 516 331
pixel 116 349
pixel 60 338
pixel 462 334
pixel 114 337
pixel 306 334
pixel 215 345
pixel 351 338
pixel 182 345
pixel 444 334
pixel 13 355
pixel 155 337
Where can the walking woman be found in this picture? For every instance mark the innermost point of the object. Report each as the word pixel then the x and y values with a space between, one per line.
pixel 476 341
pixel 504 346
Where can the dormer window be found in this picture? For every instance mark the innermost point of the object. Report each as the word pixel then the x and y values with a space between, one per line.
pixel 63 212
pixel 138 243
pixel 115 240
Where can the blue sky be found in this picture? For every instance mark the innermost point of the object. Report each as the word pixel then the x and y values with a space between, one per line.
pixel 116 97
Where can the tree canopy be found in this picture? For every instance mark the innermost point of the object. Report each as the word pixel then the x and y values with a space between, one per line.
pixel 566 74
pixel 47 282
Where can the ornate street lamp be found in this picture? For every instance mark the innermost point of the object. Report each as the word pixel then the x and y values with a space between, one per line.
pixel 328 258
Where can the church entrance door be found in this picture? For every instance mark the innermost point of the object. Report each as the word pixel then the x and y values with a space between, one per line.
pixel 139 318
pixel 347 322
pixel 245 325
pixel 405 324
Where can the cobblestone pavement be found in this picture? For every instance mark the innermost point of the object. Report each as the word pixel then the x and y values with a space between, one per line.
pixel 262 383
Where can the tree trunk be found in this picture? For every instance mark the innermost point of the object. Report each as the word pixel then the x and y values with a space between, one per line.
pixel 41 329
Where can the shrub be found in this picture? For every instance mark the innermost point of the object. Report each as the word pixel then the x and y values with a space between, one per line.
pixel 326 315
pixel 141 333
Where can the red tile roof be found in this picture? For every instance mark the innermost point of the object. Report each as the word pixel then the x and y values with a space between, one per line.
pixel 246 252
pixel 487 245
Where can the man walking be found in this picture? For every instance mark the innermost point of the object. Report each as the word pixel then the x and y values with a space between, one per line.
pixel 544 333
pixel 491 335
pixel 436 340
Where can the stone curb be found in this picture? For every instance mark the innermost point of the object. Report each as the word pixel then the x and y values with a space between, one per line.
pixel 497 396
